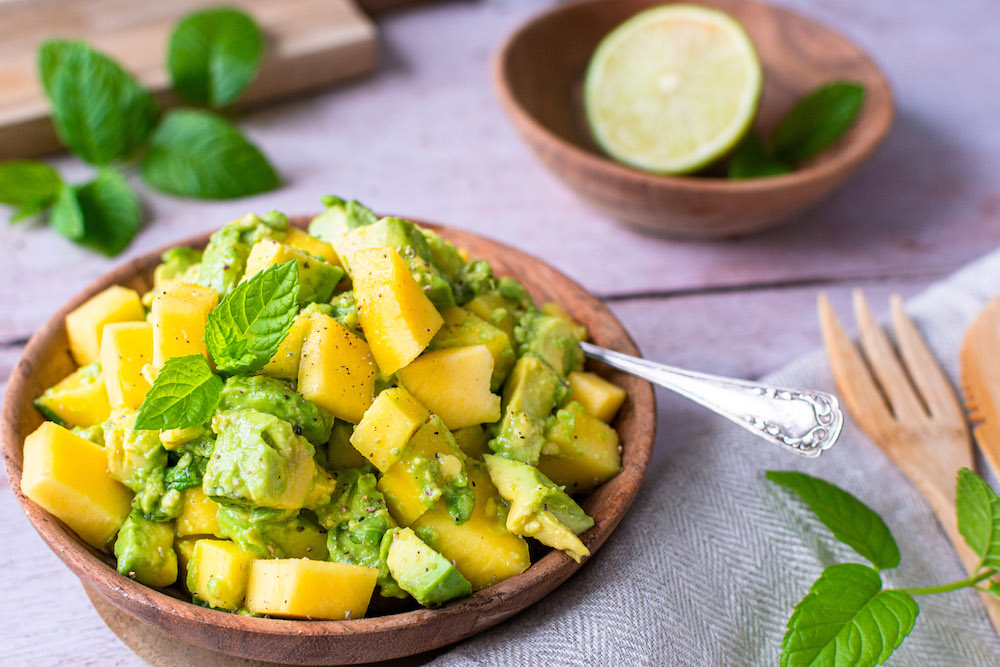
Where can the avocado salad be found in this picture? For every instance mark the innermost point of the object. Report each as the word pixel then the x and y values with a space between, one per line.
pixel 289 420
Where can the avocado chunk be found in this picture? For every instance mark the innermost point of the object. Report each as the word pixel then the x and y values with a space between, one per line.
pixel 278 398
pixel 539 508
pixel 473 279
pixel 551 339
pixel 268 533
pixel 93 433
pixel 502 307
pixel 79 399
pixel 534 388
pixel 344 309
pixel 339 453
pixel 259 461
pixel 145 551
pixel 225 258
pixel 339 218
pixel 443 255
pixel 422 572
pixel 137 459
pixel 177 264
pixel 520 437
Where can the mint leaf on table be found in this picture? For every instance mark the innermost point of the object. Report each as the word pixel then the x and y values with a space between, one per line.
pixel 103 214
pixel 200 154
pixel 248 325
pixel 185 393
pixel 846 618
pixel 817 120
pixel 28 186
pixel 978 510
pixel 751 160
pixel 851 521
pixel 99 110
pixel 213 55
pixel 66 216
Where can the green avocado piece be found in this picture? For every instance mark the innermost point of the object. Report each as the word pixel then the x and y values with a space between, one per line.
pixel 145 551
pixel 176 264
pixel 318 280
pixel 422 572
pixel 269 533
pixel 133 455
pixel 473 279
pixel 434 284
pixel 519 436
pixel 536 492
pixel 259 461
pixel 225 258
pixel 93 433
pixel 339 218
pixel 278 398
pixel 534 388
pixel 499 310
pixel 344 309
pixel 444 256
pixel 552 339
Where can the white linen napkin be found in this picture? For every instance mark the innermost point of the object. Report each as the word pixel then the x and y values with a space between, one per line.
pixel 707 565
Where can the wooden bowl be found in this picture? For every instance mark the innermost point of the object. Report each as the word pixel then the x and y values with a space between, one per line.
pixel 46 360
pixel 538 74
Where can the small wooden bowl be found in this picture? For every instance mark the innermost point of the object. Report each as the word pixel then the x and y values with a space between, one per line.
pixel 46 360
pixel 538 74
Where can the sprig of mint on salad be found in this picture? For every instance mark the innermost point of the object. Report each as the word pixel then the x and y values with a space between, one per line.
pixel 849 616
pixel 108 119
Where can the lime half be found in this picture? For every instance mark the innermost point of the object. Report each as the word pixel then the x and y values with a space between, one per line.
pixel 672 88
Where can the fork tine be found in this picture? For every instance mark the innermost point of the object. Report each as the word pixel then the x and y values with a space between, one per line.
pixel 854 380
pixel 884 362
pixel 927 375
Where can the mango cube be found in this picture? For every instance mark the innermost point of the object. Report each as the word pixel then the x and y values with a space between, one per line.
pixel 482 548
pixel 217 573
pixel 178 316
pixel 337 370
pixel 597 396
pixel 85 325
pixel 184 546
pixel 312 589
pixel 68 476
pixel 126 347
pixel 581 451
pixel 397 317
pixel 79 399
pixel 300 240
pixel 387 426
pixel 461 329
pixel 284 365
pixel 455 385
pixel 199 514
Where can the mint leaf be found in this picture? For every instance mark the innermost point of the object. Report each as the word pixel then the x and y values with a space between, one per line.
pixel 103 215
pixel 99 110
pixel 751 160
pixel 213 55
pixel 817 120
pixel 66 216
pixel 250 322
pixel 185 393
pixel 851 521
pixel 199 154
pixel 978 510
pixel 28 186
pixel 847 619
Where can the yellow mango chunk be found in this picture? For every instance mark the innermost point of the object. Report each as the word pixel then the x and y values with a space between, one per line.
pixel 126 347
pixel 178 315
pixel 461 329
pixel 312 589
pixel 79 399
pixel 85 325
pixel 300 240
pixel 581 451
pixel 217 573
pixel 337 370
pixel 482 548
pixel 397 317
pixel 68 476
pixel 454 384
pixel 199 514
pixel 597 396
pixel 184 547
pixel 284 364
pixel 387 426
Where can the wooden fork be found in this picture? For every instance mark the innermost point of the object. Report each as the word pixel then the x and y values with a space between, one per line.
pixel 908 407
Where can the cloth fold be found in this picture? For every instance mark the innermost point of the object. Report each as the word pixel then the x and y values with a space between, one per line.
pixel 709 562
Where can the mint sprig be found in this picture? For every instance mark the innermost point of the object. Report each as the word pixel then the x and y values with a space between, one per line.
pixel 28 186
pixel 213 55
pixel 103 214
pixel 185 393
pixel 848 617
pixel 247 327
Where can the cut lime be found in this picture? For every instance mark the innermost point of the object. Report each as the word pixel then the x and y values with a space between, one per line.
pixel 673 88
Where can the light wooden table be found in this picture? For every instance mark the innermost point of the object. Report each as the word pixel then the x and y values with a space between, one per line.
pixel 425 137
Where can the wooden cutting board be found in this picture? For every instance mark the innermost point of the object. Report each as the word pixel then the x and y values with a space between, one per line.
pixel 310 44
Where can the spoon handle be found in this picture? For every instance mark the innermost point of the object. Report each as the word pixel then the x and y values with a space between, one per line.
pixel 803 421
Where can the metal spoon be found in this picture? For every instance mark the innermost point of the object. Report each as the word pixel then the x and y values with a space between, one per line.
pixel 803 421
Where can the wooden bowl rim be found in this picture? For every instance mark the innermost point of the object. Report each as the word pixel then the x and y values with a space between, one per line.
pixel 150 603
pixel 853 154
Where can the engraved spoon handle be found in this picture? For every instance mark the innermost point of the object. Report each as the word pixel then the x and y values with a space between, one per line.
pixel 803 421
